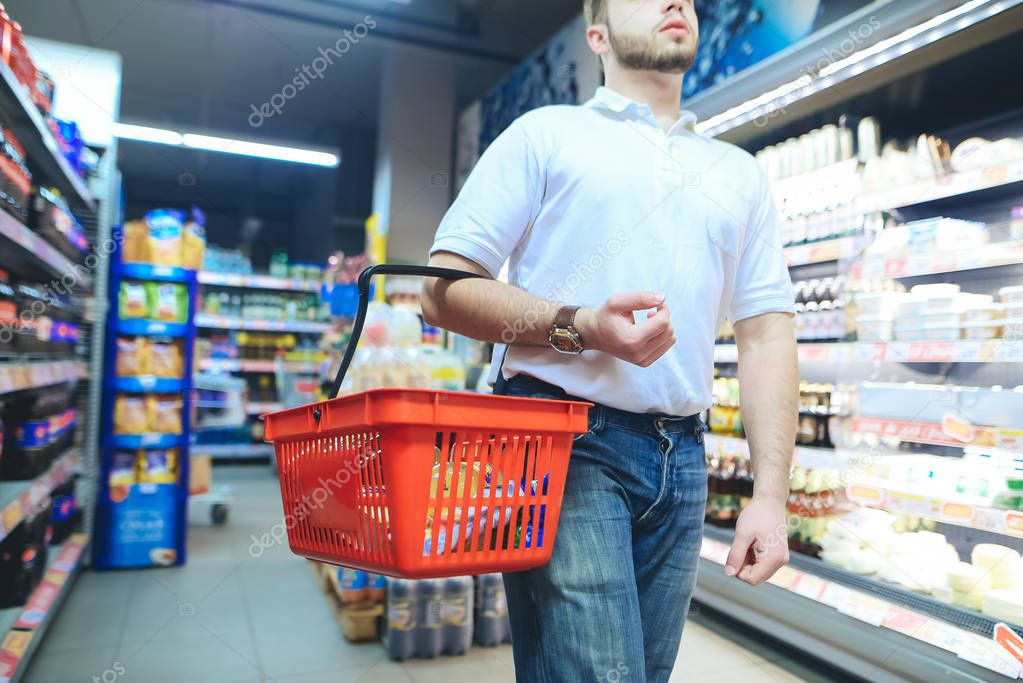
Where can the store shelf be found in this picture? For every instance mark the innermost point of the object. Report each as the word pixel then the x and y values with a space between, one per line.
pixel 148 383
pixel 219 322
pixel 235 365
pixel 24 247
pixel 209 277
pixel 147 271
pixel 952 432
pixel 961 351
pixel 820 252
pixel 21 376
pixel 825 458
pixel 952 185
pixel 257 408
pixel 960 510
pixel 241 451
pixel 136 441
pixel 18 497
pixel 935 263
pixel 23 628
pixel 881 607
pixel 41 148
pixel 152 328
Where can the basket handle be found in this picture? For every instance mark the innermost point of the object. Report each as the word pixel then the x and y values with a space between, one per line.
pixel 360 317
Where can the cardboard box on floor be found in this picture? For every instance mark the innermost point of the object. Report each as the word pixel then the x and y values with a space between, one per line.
pixel 200 475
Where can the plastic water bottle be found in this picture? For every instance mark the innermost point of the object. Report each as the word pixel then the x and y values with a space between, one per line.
pixel 400 638
pixel 354 586
pixel 457 615
pixel 492 626
pixel 429 634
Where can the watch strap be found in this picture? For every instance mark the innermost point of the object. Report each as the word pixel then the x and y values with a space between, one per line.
pixel 565 317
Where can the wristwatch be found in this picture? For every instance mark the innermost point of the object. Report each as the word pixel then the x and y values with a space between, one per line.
pixel 563 335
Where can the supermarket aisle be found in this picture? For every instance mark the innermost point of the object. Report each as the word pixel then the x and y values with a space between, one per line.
pixel 231 615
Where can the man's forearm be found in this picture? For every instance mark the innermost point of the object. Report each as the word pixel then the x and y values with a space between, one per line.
pixel 769 385
pixel 486 309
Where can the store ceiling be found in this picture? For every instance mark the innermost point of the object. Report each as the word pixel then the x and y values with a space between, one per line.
pixel 202 64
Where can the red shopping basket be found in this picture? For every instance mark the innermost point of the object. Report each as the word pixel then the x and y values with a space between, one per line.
pixel 423 484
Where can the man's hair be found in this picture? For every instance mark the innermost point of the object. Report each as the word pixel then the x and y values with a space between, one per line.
pixel 595 11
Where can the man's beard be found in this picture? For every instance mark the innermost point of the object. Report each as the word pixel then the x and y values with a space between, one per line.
pixel 637 54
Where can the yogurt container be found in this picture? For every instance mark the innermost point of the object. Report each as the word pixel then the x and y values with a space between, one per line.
pixel 982 329
pixel 1011 295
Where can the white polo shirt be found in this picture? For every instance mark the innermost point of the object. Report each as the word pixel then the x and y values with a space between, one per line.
pixel 588 201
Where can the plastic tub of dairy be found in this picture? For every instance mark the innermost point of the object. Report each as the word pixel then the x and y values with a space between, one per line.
pixel 1011 311
pixel 945 319
pixel 1011 295
pixel 981 312
pixel 874 327
pixel 880 304
pixel 911 305
pixel 982 329
pixel 941 333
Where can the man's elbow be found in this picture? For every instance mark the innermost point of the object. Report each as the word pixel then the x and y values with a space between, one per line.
pixel 428 303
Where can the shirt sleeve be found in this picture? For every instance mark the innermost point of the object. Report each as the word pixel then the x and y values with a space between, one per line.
pixel 762 282
pixel 497 203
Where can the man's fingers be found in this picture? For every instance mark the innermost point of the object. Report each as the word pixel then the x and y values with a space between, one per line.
pixel 738 555
pixel 634 301
pixel 665 342
pixel 761 570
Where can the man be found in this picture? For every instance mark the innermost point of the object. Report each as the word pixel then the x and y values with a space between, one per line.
pixel 658 234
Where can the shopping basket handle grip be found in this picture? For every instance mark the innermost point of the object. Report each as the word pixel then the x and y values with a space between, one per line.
pixel 360 317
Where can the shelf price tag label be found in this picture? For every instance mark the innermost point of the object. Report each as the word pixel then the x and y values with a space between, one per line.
pixel 809 586
pixel 16 643
pixel 11 516
pixel 958 511
pixel 1014 523
pixel 1011 439
pixel 863 493
pixel 990 654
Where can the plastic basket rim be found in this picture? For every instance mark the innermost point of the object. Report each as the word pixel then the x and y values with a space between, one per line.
pixel 399 390
pixel 395 392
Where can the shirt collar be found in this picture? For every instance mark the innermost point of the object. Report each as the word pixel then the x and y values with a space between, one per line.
pixel 606 98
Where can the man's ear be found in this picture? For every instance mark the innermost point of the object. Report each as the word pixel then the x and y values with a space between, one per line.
pixel 596 38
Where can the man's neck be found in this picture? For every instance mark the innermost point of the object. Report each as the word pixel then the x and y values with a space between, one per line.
pixel 662 92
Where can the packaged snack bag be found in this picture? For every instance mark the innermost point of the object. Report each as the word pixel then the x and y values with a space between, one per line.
pixel 193 241
pixel 159 467
pixel 131 356
pixel 165 236
pixel 130 415
pixel 165 413
pixel 133 301
pixel 122 469
pixel 136 243
pixel 164 359
pixel 168 301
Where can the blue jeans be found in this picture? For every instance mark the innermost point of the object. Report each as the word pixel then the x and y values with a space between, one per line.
pixel 611 604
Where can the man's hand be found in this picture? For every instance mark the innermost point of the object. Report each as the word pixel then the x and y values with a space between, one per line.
pixel 760 547
pixel 613 329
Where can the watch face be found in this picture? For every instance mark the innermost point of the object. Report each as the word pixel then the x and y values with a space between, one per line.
pixel 566 341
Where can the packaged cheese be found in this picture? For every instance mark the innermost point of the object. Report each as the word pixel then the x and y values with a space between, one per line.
pixel 168 301
pixel 164 359
pixel 133 301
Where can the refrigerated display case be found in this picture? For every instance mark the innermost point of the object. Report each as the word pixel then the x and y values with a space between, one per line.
pixel 900 210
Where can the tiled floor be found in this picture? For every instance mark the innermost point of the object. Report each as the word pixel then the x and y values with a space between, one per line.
pixel 234 614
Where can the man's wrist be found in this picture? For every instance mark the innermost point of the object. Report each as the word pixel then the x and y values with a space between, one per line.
pixel 771 496
pixel 586 325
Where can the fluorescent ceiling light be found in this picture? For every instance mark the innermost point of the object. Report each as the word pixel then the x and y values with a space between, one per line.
pixel 258 149
pixel 146 134
pixel 913 38
pixel 226 145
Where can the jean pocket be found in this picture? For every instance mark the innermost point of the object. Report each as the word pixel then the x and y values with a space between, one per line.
pixel 594 423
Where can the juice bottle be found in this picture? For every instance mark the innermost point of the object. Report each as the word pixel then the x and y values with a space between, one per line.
pixel 429 637
pixel 354 586
pixel 491 626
